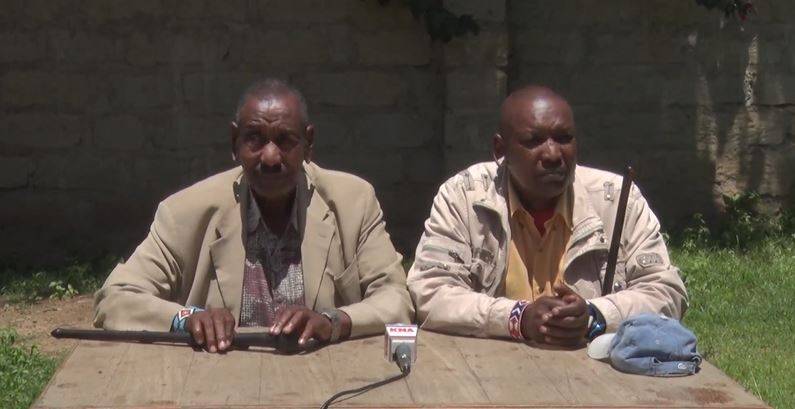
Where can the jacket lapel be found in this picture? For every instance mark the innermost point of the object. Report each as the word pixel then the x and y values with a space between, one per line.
pixel 318 228
pixel 228 250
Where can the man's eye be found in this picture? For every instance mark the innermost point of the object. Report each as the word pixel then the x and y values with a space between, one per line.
pixel 254 140
pixel 563 138
pixel 532 142
pixel 286 141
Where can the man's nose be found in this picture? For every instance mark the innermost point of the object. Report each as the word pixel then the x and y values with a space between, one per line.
pixel 271 155
pixel 551 154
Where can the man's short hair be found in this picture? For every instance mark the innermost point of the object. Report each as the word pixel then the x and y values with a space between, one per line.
pixel 272 87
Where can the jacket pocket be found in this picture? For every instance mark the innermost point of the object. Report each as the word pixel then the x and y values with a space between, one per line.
pixel 442 254
pixel 346 284
pixel 585 274
pixel 620 277
pixel 483 269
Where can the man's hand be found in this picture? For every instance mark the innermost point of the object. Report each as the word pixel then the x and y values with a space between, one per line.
pixel 536 315
pixel 298 319
pixel 213 329
pixel 560 321
pixel 566 325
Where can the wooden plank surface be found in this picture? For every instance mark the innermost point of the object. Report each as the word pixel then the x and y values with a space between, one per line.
pixel 450 372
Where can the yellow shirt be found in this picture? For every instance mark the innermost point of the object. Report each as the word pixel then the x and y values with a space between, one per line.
pixel 535 261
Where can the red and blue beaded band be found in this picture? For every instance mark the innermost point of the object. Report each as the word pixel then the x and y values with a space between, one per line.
pixel 181 318
pixel 515 319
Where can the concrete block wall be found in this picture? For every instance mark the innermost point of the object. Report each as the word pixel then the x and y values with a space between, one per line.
pixel 702 106
pixel 108 106
pixel 476 81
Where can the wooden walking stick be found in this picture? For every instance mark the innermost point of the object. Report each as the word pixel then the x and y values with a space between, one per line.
pixel 618 228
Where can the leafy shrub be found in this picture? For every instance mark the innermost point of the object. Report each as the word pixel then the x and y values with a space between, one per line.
pixel 23 371
pixel 30 285
pixel 741 227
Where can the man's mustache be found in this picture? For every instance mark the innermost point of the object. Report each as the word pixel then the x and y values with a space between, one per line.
pixel 563 171
pixel 270 169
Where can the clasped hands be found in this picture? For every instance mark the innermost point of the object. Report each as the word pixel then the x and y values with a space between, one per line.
pixel 557 321
pixel 214 329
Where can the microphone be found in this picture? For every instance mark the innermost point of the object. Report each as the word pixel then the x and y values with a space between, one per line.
pixel 400 345
pixel 403 357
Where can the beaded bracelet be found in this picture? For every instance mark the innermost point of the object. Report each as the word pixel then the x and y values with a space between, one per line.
pixel 515 319
pixel 181 318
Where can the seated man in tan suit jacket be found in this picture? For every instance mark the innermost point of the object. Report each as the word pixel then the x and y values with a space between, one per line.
pixel 277 242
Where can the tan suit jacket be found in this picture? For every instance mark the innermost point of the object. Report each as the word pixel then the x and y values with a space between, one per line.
pixel 194 255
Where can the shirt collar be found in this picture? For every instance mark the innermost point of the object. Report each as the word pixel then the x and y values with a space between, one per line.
pixel 254 216
pixel 563 207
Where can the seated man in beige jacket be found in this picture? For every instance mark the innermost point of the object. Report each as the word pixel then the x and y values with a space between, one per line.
pixel 515 247
pixel 277 242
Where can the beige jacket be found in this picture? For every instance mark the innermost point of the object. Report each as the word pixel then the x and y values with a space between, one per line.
pixel 194 255
pixel 457 280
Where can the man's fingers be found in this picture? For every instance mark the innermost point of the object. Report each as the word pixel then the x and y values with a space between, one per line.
pixel 219 327
pixel 562 289
pixel 570 310
pixel 209 334
pixel 296 323
pixel 195 328
pixel 229 326
pixel 281 320
pixel 565 333
pixel 545 305
pixel 308 332
pixel 549 302
pixel 568 322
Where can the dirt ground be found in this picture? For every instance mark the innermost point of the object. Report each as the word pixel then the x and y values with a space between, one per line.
pixel 34 322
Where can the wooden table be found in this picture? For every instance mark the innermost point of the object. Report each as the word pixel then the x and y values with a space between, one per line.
pixel 450 372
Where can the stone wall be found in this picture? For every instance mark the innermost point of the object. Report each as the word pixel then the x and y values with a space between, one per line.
pixel 701 106
pixel 108 106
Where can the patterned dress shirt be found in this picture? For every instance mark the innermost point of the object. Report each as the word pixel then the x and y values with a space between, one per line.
pixel 273 274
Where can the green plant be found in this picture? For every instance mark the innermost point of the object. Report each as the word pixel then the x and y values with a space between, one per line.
pixel 60 290
pixel 741 8
pixel 697 234
pixel 742 223
pixel 23 371
pixel 741 226
pixel 440 23
pixel 79 277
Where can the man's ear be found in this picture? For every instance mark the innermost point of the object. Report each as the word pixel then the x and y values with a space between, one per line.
pixel 498 146
pixel 234 131
pixel 309 149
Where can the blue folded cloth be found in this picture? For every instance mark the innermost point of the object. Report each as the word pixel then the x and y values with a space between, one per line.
pixel 649 344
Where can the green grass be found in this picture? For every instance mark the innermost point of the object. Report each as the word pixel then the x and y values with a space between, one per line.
pixel 20 284
pixel 23 371
pixel 741 309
